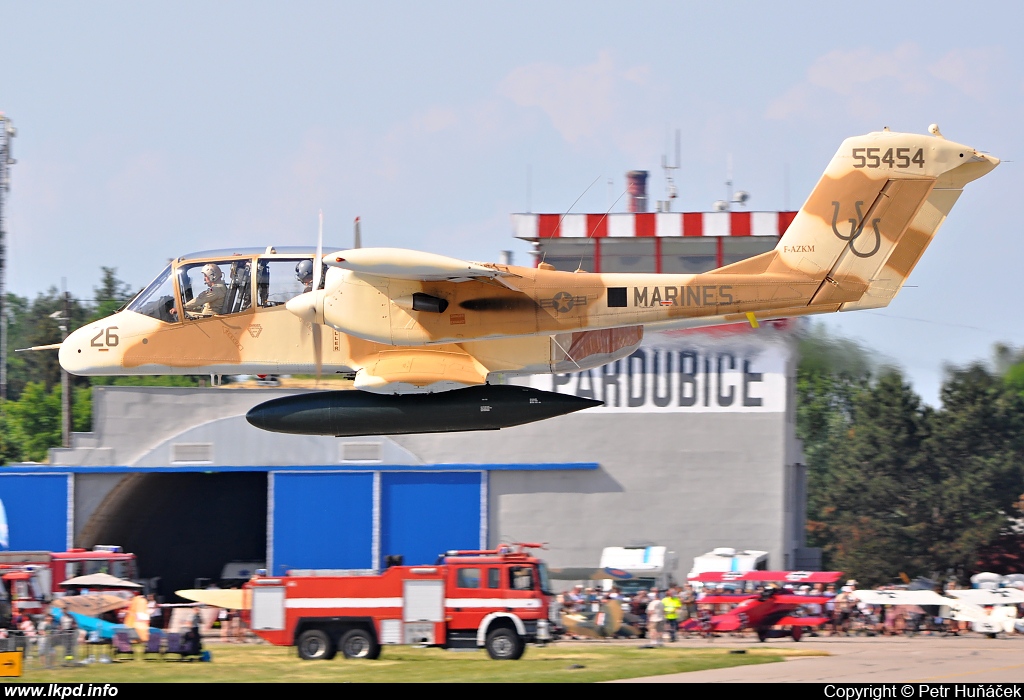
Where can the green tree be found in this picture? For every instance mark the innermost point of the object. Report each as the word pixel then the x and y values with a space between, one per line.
pixel 34 421
pixel 871 512
pixel 976 452
pixel 831 374
pixel 111 295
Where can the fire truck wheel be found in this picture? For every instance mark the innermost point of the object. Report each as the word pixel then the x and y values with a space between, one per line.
pixel 504 644
pixel 315 644
pixel 359 644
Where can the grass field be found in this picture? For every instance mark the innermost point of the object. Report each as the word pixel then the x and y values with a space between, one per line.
pixel 559 663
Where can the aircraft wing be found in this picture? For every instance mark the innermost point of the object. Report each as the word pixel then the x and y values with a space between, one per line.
pixel 400 263
pixel 794 599
pixel 901 597
pixel 793 621
pixel 724 599
pixel 982 596
pixel 777 576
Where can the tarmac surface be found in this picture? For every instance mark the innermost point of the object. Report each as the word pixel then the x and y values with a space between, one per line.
pixel 971 658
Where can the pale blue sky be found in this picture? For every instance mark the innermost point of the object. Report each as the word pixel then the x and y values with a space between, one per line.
pixel 147 130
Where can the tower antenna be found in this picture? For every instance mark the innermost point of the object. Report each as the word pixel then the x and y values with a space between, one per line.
pixel 671 191
pixel 7 132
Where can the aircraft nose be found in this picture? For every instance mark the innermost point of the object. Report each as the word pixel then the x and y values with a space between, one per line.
pixel 79 353
pixel 70 353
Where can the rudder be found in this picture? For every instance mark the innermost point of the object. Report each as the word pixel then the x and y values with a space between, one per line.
pixel 870 217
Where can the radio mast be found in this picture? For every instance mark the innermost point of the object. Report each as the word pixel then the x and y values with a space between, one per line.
pixel 7 133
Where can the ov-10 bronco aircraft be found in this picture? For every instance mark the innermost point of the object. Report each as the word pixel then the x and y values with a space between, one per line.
pixel 429 338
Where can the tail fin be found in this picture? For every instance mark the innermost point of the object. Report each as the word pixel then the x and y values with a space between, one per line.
pixel 873 213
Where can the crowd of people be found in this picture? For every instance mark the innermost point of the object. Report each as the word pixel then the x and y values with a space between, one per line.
pixel 55 637
pixel 676 612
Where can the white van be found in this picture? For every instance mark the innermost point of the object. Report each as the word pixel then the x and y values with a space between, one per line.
pixel 729 559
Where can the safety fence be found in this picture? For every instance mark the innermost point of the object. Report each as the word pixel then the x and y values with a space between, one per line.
pixel 53 649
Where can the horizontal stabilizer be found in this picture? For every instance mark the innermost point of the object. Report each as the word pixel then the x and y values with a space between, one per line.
pixel 726 623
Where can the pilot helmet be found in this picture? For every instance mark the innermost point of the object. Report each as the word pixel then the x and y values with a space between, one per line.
pixel 212 272
pixel 304 271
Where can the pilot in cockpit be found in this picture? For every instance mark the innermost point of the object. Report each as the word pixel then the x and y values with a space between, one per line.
pixel 210 301
pixel 304 273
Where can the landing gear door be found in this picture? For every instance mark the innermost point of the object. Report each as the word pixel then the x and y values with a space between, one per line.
pixel 268 608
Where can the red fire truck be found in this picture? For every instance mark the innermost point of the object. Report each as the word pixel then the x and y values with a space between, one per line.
pixel 29 578
pixel 497 599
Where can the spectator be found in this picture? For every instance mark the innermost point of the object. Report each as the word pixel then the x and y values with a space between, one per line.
pixel 156 613
pixel 688 599
pixel 69 628
pixel 44 631
pixel 671 605
pixel 26 627
pixel 655 619
pixel 574 599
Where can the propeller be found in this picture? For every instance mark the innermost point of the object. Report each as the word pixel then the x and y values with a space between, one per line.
pixel 318 264
pixel 309 305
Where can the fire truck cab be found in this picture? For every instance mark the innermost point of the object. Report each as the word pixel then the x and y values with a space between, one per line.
pixel 496 599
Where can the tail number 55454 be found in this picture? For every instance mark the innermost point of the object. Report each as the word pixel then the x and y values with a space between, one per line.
pixel 893 158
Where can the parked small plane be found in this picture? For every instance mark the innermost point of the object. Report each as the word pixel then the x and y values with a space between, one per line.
pixel 768 612
pixel 990 611
pixel 409 327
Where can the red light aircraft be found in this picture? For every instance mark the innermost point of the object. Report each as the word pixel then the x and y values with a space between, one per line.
pixel 769 611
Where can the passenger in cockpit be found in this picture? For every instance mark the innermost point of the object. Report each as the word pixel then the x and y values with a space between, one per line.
pixel 210 301
pixel 304 273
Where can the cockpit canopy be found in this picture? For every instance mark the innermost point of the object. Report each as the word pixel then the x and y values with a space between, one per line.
pixel 222 283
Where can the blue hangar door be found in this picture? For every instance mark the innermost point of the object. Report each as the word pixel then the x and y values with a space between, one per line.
pixel 320 521
pixel 34 512
pixel 337 520
pixel 423 514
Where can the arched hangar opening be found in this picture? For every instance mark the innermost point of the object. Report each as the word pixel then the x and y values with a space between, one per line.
pixel 184 526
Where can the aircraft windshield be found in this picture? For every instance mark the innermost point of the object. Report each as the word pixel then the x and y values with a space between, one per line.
pixel 157 300
pixel 281 279
pixel 215 288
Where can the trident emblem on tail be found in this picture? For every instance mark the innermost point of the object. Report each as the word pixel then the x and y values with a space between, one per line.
pixel 855 230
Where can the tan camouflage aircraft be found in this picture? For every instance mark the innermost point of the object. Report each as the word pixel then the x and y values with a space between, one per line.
pixel 406 322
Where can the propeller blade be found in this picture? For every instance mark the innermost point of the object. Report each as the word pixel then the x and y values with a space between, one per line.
pixel 318 264
pixel 318 351
pixel 357 239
